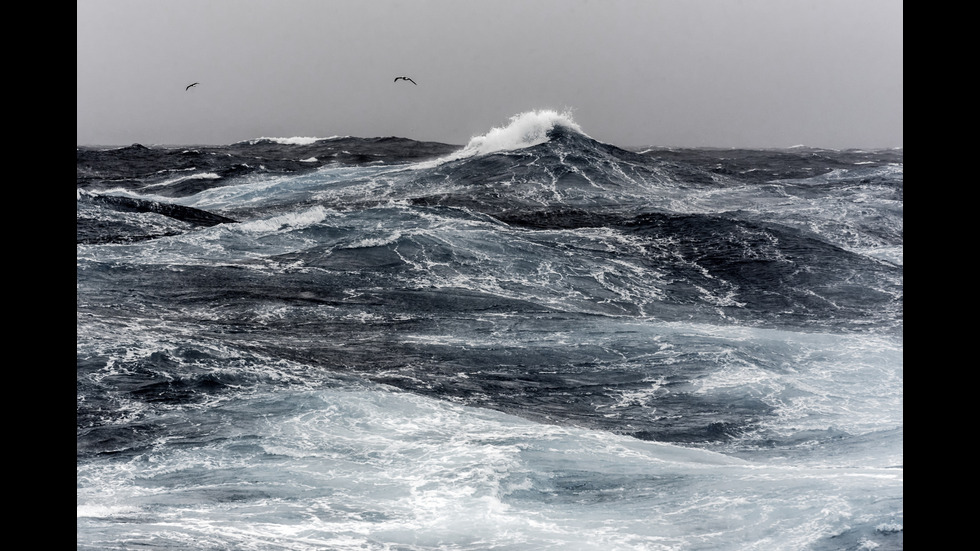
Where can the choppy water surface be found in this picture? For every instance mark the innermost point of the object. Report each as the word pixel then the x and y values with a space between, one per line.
pixel 535 341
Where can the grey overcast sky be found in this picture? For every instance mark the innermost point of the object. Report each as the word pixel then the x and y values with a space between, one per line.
pixel 683 73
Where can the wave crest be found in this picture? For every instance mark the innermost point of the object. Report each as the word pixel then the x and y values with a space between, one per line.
pixel 524 130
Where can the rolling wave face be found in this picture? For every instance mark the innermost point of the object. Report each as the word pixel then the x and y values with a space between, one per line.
pixel 572 307
pixel 567 171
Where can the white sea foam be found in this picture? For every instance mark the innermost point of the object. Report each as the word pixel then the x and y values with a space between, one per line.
pixel 200 176
pixel 383 469
pixel 103 511
pixel 524 130
pixel 292 221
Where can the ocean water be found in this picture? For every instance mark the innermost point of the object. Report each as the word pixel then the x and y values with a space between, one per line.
pixel 534 341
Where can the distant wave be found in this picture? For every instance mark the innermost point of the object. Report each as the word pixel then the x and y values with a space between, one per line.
pixel 296 140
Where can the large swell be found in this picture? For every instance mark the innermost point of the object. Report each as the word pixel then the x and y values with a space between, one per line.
pixel 533 341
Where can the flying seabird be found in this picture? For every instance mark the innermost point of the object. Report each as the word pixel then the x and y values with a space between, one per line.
pixel 405 78
pixel 190 85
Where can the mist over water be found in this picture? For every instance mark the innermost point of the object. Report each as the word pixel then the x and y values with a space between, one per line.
pixel 532 341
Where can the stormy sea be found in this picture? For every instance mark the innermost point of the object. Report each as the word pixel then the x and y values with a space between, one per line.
pixel 533 341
